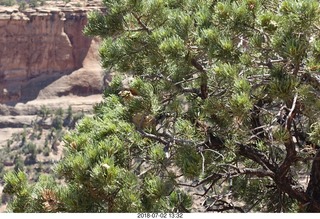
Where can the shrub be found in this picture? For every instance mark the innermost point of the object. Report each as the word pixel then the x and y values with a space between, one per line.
pixel 7 2
pixel 18 164
pixel 44 112
pixel 22 6
pixel 46 151
pixel 34 3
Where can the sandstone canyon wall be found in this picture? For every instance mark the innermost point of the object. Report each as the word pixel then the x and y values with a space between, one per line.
pixel 39 46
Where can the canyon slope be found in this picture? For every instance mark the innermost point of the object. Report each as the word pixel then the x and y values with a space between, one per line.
pixel 44 54
pixel 46 62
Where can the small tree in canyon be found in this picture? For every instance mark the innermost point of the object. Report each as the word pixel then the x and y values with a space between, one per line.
pixel 222 94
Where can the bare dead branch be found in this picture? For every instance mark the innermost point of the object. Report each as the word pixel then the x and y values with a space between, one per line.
pixel 291 155
pixel 257 172
pixel 291 114
pixel 213 177
pixel 153 137
pixel 179 140
pixel 249 171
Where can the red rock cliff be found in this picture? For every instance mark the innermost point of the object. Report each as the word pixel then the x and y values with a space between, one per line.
pixel 40 43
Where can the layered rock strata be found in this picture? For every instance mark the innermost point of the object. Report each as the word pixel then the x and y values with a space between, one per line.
pixel 39 46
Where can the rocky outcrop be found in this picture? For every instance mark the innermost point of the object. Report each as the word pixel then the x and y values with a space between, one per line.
pixel 40 46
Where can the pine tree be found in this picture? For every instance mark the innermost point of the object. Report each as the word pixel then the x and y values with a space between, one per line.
pixel 224 94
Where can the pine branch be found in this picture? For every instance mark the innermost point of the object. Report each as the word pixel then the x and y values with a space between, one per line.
pixel 143 26
pixel 213 178
pixel 270 62
pixel 179 140
pixel 255 172
pixel 256 155
pixel 249 171
pixel 153 137
pixel 256 125
pixel 204 85
pixel 291 155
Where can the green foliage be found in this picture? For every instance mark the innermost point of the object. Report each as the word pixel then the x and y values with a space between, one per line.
pixel 29 148
pixel 34 3
pixel 24 136
pixel 57 122
pixel 19 165
pixel 189 161
pixel 17 181
pixel 22 5
pixel 46 151
pixel 315 133
pixel 44 112
pixel 180 201
pixel 106 161
pixel 7 2
pixel 2 170
pixel 222 93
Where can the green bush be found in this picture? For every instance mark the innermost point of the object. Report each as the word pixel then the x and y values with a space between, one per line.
pixel 8 2
pixel 39 150
pixel 1 170
pixel 29 148
pixel 57 122
pixel 46 151
pixel 30 159
pixel 22 6
pixel 34 3
pixel 18 164
pixel 44 112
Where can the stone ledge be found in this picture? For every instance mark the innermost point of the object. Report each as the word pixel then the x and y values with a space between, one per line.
pixel 13 13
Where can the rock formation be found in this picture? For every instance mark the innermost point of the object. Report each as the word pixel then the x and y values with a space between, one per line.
pixel 45 60
pixel 39 47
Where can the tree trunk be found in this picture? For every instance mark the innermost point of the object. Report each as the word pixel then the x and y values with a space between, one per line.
pixel 313 190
